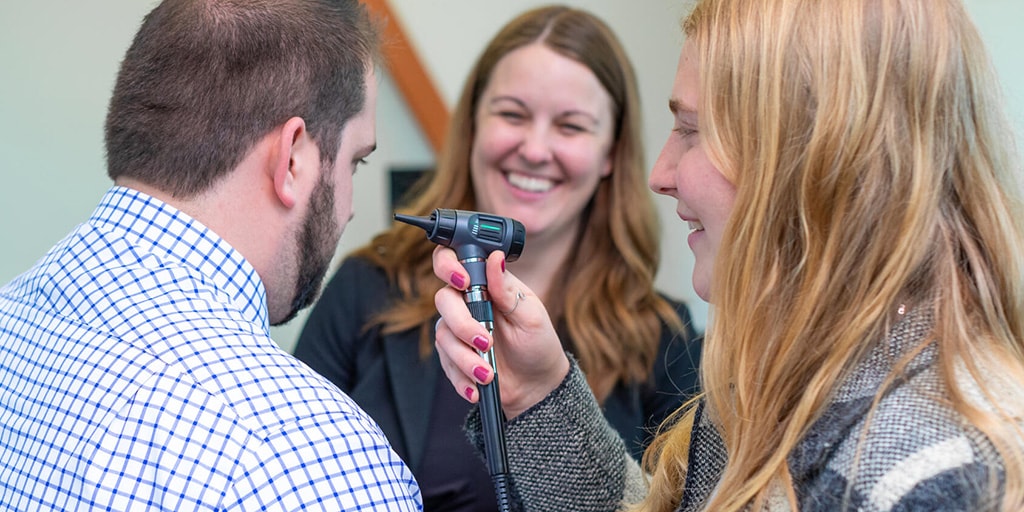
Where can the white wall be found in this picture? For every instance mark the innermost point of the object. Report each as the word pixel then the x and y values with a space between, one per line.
pixel 58 59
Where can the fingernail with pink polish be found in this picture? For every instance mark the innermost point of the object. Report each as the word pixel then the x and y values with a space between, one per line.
pixel 503 265
pixel 469 392
pixel 480 373
pixel 457 280
pixel 480 343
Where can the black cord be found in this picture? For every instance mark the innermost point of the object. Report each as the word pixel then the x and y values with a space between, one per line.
pixel 501 490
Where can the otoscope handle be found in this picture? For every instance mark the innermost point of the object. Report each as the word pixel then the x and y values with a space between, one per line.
pixel 491 415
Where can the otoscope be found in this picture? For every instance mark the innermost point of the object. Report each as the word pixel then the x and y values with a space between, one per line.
pixel 474 236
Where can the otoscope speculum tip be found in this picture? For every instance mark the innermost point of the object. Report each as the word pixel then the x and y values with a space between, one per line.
pixel 426 223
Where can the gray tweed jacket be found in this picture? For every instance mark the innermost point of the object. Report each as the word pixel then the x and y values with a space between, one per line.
pixel 917 454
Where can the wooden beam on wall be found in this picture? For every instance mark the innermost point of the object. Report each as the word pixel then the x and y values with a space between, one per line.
pixel 411 77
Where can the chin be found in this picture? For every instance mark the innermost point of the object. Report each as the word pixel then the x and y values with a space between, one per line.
pixel 702 287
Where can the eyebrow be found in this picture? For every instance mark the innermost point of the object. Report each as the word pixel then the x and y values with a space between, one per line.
pixel 367 150
pixel 677 107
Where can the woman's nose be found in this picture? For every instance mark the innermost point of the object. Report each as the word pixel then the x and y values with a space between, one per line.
pixel 662 179
pixel 535 148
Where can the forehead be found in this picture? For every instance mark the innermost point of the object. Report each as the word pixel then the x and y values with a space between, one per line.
pixel 368 113
pixel 370 105
pixel 360 130
pixel 536 72
pixel 685 89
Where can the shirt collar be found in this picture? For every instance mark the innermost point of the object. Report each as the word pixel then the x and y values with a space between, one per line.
pixel 158 228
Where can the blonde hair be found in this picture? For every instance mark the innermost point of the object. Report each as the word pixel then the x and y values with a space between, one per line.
pixel 609 304
pixel 873 168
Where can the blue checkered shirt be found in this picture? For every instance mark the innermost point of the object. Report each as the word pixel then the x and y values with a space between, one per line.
pixel 137 372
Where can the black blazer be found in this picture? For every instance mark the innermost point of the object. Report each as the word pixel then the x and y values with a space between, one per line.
pixel 385 375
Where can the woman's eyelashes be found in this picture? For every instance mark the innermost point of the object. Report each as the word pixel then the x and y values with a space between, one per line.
pixel 684 131
pixel 515 117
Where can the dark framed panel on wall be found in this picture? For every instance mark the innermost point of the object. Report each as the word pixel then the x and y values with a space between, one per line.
pixel 402 184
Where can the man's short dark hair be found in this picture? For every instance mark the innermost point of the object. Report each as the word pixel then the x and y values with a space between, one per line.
pixel 204 80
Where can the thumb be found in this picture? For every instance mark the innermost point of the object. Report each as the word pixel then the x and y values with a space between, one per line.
pixel 506 290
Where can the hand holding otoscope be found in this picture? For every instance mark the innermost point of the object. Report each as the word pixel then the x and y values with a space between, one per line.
pixel 474 236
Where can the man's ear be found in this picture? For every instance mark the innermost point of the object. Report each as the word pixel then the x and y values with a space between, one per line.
pixel 296 156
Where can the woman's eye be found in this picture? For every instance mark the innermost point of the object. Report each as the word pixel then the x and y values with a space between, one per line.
pixel 684 131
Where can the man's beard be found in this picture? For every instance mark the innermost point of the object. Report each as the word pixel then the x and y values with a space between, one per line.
pixel 317 243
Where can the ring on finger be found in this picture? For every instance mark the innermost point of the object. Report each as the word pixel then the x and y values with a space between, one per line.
pixel 519 296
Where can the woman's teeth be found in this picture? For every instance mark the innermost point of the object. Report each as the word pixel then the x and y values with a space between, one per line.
pixel 530 183
pixel 695 225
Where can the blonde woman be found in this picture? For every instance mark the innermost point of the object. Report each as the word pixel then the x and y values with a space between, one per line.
pixel 855 215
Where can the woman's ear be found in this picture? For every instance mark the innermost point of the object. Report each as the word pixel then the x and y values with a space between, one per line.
pixel 609 162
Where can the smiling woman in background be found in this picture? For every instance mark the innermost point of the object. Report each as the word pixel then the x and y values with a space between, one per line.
pixel 546 131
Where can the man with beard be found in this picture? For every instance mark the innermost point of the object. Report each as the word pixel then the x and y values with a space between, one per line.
pixel 136 365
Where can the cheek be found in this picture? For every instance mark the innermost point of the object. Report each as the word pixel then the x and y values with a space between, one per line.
pixel 583 159
pixel 703 188
pixel 717 198
pixel 343 192
pixel 493 142
pixel 694 174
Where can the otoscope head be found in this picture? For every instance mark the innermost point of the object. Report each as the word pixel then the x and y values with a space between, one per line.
pixel 471 234
pixel 427 223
